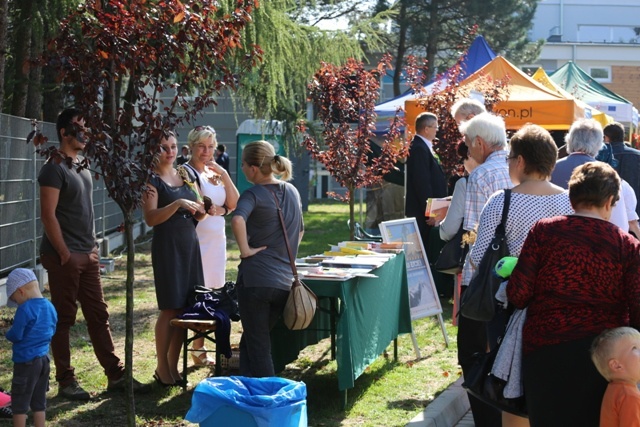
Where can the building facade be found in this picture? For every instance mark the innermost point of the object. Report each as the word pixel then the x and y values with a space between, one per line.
pixel 602 38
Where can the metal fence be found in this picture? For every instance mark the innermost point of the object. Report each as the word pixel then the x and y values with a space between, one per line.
pixel 20 225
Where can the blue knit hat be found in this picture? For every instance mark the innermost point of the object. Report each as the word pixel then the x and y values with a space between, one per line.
pixel 17 279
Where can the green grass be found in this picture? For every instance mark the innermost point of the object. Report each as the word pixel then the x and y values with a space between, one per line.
pixel 388 393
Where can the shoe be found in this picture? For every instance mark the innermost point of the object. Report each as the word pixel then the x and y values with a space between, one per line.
pixel 119 385
pixel 201 357
pixel 156 377
pixel 6 412
pixel 73 392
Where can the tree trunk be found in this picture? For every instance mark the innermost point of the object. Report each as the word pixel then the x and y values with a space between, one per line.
pixel 21 50
pixel 432 38
pixel 34 92
pixel 403 24
pixel 52 96
pixel 352 222
pixel 128 343
pixel 4 12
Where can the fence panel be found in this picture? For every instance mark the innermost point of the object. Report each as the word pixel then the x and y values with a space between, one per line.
pixel 20 225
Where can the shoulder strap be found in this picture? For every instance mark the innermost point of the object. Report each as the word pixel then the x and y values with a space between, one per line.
pixel 501 229
pixel 294 270
pixel 193 173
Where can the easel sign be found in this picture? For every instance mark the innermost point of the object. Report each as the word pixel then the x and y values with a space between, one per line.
pixel 423 296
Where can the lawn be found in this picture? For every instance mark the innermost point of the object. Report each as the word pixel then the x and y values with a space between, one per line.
pixel 388 393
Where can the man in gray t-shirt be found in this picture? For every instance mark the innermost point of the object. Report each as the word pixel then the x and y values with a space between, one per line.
pixel 70 255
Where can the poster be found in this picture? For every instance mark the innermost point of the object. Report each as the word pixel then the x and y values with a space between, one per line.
pixel 423 297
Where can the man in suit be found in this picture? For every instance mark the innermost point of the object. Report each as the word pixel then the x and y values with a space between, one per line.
pixel 425 177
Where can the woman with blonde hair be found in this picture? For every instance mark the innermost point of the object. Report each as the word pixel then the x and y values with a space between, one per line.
pixel 264 273
pixel 215 183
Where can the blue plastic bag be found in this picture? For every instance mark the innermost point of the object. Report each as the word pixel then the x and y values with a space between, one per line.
pixel 249 402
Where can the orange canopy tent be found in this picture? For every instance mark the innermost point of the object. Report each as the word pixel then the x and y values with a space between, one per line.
pixel 527 100
pixel 541 77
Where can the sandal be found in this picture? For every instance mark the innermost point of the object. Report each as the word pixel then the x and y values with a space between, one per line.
pixel 201 357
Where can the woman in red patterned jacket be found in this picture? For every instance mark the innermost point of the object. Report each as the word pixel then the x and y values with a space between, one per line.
pixel 577 275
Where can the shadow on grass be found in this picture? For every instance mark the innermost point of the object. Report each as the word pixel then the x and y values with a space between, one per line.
pixel 158 407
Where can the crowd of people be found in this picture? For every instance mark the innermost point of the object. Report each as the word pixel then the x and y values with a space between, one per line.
pixel 187 199
pixel 571 223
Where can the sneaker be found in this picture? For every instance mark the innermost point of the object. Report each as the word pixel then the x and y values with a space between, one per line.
pixel 73 392
pixel 5 412
pixel 119 385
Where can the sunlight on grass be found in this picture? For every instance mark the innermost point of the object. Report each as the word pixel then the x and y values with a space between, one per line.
pixel 388 393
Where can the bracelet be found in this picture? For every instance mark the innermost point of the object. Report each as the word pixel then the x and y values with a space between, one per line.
pixel 226 211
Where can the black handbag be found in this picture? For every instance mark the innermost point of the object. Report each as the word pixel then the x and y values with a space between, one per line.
pixel 478 300
pixel 453 254
pixel 488 388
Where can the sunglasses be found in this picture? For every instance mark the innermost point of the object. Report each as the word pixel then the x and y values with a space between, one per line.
pixel 201 128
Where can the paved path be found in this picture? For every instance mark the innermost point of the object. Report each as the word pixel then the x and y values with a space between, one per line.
pixel 449 409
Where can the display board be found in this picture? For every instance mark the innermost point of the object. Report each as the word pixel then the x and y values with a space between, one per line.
pixel 423 296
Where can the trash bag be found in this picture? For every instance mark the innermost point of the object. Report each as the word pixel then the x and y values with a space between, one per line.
pixel 249 402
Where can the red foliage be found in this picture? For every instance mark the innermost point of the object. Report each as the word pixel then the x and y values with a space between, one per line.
pixel 345 97
pixel 440 103
pixel 118 57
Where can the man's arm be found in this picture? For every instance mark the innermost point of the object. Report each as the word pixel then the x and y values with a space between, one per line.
pixel 49 197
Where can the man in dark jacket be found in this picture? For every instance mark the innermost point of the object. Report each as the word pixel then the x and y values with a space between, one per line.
pixel 425 177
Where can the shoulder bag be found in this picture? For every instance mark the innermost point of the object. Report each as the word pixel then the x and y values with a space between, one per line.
pixel 488 388
pixel 302 302
pixel 453 254
pixel 478 300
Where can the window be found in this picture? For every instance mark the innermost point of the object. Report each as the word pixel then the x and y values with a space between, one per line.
pixel 601 74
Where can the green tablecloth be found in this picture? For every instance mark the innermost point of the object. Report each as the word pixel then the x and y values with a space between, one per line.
pixel 372 312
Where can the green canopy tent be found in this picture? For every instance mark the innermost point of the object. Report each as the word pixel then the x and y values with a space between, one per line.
pixel 582 86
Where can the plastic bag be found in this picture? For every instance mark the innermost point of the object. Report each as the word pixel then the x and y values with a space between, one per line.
pixel 248 402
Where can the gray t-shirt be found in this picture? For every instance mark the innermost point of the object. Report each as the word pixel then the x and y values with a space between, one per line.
pixel 75 206
pixel 270 267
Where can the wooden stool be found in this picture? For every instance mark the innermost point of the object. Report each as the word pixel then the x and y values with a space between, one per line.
pixel 201 329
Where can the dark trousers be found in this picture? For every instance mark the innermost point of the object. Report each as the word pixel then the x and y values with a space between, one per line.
pixel 472 338
pixel 260 309
pixel 29 386
pixel 79 281
pixel 562 385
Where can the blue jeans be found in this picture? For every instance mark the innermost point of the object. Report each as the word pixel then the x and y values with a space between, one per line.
pixel 260 309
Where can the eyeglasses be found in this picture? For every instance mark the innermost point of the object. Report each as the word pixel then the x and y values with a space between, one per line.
pixel 507 158
pixel 434 127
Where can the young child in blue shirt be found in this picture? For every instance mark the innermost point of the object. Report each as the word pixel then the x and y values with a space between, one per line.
pixel 33 326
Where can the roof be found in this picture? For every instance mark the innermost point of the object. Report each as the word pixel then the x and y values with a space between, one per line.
pixel 527 100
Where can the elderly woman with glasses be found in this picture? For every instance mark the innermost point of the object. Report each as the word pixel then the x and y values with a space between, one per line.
pixel 577 275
